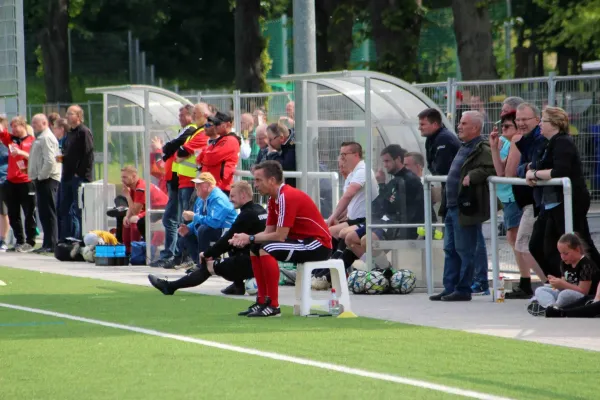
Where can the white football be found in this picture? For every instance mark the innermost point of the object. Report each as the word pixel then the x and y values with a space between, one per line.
pixel 251 287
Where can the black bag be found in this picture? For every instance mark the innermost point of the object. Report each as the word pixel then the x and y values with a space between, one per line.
pixel 62 251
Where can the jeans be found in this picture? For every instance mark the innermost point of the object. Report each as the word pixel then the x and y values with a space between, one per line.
pixel 70 213
pixel 459 262
pixel 197 242
pixel 169 220
pixel 183 204
pixel 481 263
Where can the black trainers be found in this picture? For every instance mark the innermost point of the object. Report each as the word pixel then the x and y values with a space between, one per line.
pixel 518 294
pixel 534 308
pixel 117 212
pixel 158 263
pixel 172 263
pixel 457 296
pixel 266 310
pixel 552 312
pixel 254 307
pixel 234 290
pixel 438 297
pixel 161 284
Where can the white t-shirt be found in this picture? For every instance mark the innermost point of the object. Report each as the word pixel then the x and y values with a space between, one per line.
pixel 356 207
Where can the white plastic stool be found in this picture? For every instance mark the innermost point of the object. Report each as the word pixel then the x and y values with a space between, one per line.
pixel 304 300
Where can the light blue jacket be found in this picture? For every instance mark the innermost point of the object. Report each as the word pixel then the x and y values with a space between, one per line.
pixel 216 212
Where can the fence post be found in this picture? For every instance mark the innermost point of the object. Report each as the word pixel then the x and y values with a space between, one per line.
pixel 494 237
pixel 568 199
pixel 551 89
pixel 89 109
pixel 428 237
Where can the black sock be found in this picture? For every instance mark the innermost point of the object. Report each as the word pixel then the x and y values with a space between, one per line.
pixel 195 278
pixel 348 257
pixel 525 285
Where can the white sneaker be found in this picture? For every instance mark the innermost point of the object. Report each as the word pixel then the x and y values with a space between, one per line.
pixel 320 283
pixel 3 247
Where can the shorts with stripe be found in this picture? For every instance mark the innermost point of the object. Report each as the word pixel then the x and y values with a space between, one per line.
pixel 295 251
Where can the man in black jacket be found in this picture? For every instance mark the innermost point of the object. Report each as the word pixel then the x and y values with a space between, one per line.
pixel 400 201
pixel 237 267
pixel 78 164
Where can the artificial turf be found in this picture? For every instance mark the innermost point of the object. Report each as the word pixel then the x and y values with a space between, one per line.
pixel 46 357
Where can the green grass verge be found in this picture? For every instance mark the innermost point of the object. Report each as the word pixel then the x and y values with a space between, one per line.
pixel 487 364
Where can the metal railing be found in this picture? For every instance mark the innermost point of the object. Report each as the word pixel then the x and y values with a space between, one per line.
pixel 495 180
pixel 492 182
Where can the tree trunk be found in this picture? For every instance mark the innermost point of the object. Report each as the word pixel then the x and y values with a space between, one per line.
pixel 396 28
pixel 341 40
pixel 54 42
pixel 473 30
pixel 249 45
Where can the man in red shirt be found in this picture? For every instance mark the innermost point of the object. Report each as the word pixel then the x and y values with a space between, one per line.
pixel 296 232
pixel 20 191
pixel 220 157
pixel 134 190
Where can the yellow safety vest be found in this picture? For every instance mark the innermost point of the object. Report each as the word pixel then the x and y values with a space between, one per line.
pixel 188 166
pixel 175 166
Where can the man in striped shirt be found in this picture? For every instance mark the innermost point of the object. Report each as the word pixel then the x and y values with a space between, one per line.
pixel 296 232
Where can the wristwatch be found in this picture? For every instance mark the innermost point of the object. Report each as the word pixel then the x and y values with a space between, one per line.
pixel 251 238
pixel 535 174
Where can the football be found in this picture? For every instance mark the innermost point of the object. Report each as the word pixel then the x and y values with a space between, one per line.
pixel 376 283
pixel 251 287
pixel 357 281
pixel 403 281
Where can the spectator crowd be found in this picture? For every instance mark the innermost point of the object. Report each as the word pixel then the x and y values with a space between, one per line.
pixel 213 226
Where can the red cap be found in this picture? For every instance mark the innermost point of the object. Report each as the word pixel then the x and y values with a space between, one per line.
pixel 459 95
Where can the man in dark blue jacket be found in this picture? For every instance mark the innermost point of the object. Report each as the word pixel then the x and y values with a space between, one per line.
pixel 281 140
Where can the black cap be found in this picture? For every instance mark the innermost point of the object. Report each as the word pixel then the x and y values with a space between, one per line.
pixel 220 117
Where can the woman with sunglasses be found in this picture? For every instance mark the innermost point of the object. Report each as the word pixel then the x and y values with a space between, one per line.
pixel 560 160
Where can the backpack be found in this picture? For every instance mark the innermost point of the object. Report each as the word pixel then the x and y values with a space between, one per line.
pixel 64 249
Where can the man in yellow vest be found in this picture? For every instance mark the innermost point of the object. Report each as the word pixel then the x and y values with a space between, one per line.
pixel 186 169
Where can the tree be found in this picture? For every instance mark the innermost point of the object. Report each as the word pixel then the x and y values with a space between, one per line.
pixel 473 30
pixel 50 25
pixel 395 29
pixel 250 63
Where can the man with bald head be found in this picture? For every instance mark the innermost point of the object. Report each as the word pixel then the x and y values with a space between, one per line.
pixel 468 205
pixel 78 165
pixel 262 141
pixel 44 171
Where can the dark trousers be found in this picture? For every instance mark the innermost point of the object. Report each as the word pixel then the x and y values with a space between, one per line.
pixel 550 226
pixel 70 213
pixel 47 191
pixel 234 269
pixel 21 195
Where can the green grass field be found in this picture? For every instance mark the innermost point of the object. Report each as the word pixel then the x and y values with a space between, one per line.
pixel 44 357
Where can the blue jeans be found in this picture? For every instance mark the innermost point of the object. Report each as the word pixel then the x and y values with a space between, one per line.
pixel 169 220
pixel 70 213
pixel 198 242
pixel 183 201
pixel 481 263
pixel 459 263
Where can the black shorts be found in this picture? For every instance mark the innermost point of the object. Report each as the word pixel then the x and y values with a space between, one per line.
pixel 236 268
pixel 295 251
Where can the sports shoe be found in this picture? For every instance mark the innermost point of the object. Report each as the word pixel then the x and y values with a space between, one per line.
pixel 161 284
pixel 158 263
pixel 319 283
pixel 552 312
pixel 186 265
pixel 478 290
pixel 266 310
pixel 254 307
pixel 457 296
pixel 518 294
pixel 234 290
pixel 117 212
pixel 172 263
pixel 3 246
pixel 534 308
pixel 25 248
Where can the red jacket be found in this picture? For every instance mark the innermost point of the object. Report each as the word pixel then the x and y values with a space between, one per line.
pixel 15 174
pixel 221 159
pixel 157 169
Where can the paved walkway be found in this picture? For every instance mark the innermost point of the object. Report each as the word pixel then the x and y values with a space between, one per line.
pixel 509 319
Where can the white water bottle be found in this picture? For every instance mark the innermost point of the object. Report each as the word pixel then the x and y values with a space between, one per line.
pixel 334 304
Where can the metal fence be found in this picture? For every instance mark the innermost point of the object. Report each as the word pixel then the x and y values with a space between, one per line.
pixel 578 95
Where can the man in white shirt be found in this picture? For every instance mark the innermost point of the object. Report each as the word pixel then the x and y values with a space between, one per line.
pixel 351 209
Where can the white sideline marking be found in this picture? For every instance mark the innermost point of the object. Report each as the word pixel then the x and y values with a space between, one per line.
pixel 273 356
